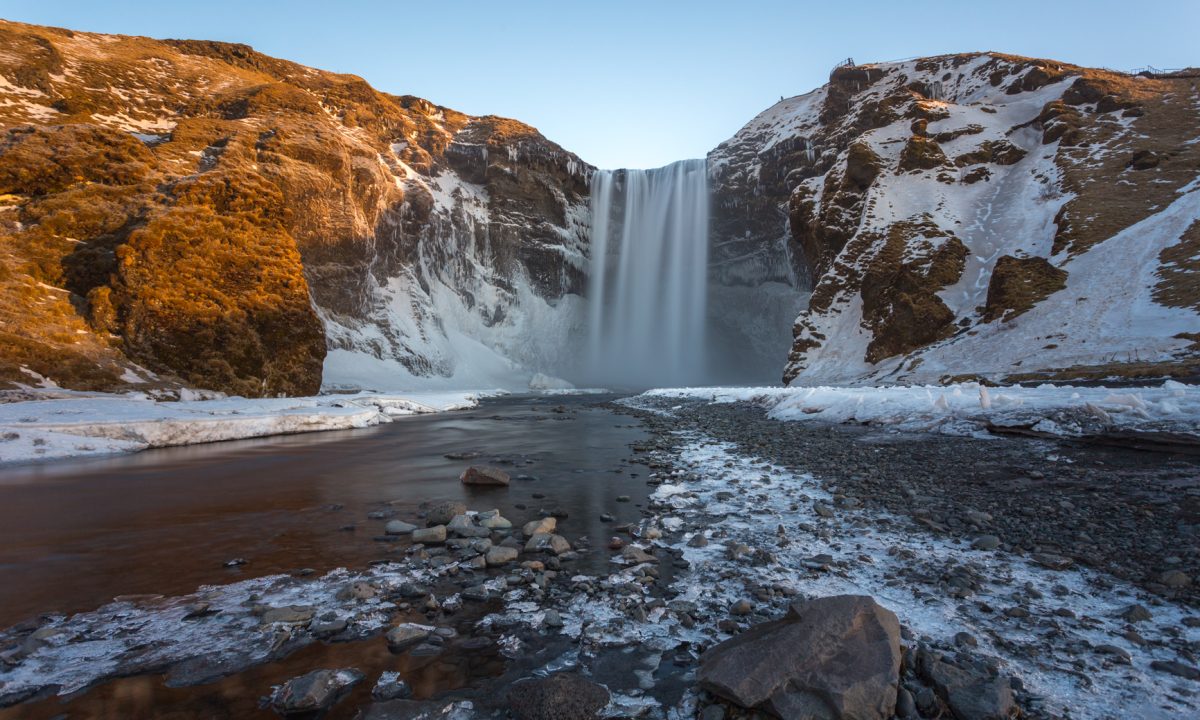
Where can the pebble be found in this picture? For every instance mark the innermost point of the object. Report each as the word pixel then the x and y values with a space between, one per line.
pixel 986 542
pixel 399 527
pixel 741 607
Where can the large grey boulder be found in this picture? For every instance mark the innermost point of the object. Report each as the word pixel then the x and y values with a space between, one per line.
pixel 314 692
pixel 828 659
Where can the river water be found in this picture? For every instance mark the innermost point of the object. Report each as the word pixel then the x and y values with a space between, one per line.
pixel 75 535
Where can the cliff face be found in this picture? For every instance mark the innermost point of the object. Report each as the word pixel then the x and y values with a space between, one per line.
pixel 185 212
pixel 979 215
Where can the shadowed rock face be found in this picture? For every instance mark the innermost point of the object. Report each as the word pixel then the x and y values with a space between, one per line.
pixel 834 657
pixel 226 218
pixel 1018 174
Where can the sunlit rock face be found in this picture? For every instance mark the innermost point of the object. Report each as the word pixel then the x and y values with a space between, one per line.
pixel 966 216
pixel 197 213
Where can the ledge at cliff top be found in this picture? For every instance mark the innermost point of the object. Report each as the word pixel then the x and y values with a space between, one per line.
pixel 980 215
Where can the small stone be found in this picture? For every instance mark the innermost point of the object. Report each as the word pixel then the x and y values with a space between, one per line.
pixel 741 607
pixel 315 692
pixel 1135 613
pixel 398 527
pixel 544 526
pixel 623 498
pixel 390 687
pixel 906 706
pixel 495 522
pixel 290 615
pixel 1052 561
pixel 1119 654
pixel 636 555
pixel 235 562
pixel 430 536
pixel 358 590
pixel 698 540
pixel 543 542
pixel 551 618
pixel 1175 579
pixel 823 510
pixel 562 696
pixel 1176 668
pixel 484 476
pixel 402 637
pixel 500 555
pixel 965 640
pixel 615 543
pixel 986 542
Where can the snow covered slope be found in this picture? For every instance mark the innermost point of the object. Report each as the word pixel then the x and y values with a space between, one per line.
pixel 980 216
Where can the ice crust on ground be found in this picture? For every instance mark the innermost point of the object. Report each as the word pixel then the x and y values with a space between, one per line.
pixel 741 500
pixel 82 424
pixel 969 408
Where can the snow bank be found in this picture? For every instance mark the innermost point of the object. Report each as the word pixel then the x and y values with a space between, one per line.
pixel 970 408
pixel 98 424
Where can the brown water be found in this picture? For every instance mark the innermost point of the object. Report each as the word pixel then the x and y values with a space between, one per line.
pixel 75 535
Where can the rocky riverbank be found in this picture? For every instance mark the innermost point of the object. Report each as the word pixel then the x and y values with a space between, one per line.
pixel 751 531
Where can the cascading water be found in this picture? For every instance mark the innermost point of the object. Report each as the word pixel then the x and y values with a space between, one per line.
pixel 649 276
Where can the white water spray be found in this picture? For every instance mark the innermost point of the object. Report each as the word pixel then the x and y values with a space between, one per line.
pixel 649 276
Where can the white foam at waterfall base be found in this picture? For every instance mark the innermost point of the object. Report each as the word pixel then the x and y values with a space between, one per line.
pixel 649 276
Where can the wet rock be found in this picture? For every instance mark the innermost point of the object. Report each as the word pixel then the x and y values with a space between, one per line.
pixel 542 526
pixel 741 607
pixel 443 511
pixel 484 476
pixel 430 536
pixel 312 693
pixel 327 624
pixel 543 542
pixel 236 562
pixel 551 618
pixel 493 520
pixel 636 555
pixel 972 693
pixel 698 540
pixel 1135 613
pixel 408 635
pixel 501 555
pixel 357 590
pixel 291 615
pixel 713 712
pixel 390 687
pixel 398 527
pixel 563 696
pixel 834 657
pixel 906 706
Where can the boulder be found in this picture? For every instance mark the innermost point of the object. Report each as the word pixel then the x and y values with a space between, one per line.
pixel 430 536
pixel 564 696
pixel 486 476
pixel 443 511
pixel 313 693
pixel 973 693
pixel 398 527
pixel 834 657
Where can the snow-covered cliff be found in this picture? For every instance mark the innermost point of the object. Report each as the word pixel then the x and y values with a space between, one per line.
pixel 979 215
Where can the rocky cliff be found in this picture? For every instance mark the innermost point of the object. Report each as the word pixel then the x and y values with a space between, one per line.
pixel 978 215
pixel 196 213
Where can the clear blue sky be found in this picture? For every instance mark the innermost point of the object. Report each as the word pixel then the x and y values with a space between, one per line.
pixel 638 84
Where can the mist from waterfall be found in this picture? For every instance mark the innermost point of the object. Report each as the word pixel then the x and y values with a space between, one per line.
pixel 649 276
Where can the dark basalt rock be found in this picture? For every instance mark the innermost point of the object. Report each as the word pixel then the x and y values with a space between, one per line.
pixel 834 657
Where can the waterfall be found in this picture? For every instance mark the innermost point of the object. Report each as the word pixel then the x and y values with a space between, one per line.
pixel 649 276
